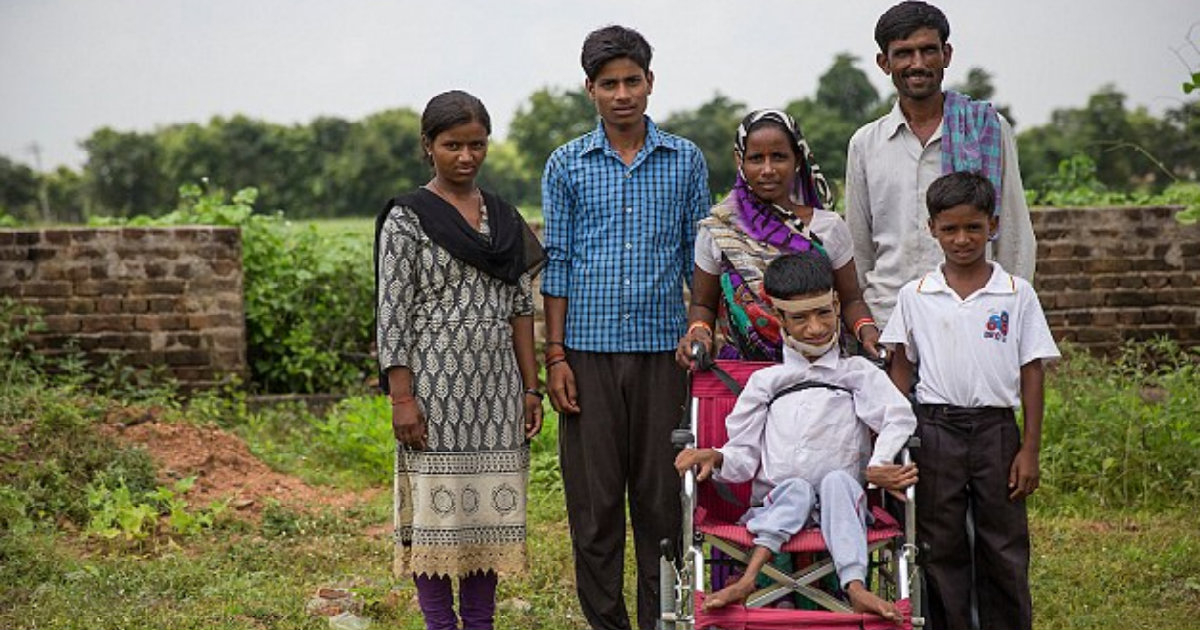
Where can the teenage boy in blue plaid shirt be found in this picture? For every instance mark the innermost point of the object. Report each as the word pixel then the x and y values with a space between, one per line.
pixel 621 205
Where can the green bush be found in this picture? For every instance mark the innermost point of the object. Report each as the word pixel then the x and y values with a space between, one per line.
pixel 308 296
pixel 1124 433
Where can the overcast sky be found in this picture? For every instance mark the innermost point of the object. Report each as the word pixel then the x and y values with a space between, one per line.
pixel 70 67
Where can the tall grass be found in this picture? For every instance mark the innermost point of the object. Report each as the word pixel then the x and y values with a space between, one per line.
pixel 1124 433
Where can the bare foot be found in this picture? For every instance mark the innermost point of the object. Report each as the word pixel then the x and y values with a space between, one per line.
pixel 732 594
pixel 864 601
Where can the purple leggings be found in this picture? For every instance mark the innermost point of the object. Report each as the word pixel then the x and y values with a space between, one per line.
pixel 476 601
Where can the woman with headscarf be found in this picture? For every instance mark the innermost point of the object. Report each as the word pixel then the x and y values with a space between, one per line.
pixel 778 205
pixel 455 337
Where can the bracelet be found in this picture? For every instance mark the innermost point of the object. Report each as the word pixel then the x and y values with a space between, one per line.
pixel 700 324
pixel 858 326
pixel 402 400
pixel 537 393
pixel 555 361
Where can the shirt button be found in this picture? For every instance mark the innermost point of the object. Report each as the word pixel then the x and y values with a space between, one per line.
pixel 626 315
pixel 628 210
pixel 628 174
pixel 627 284
pixel 628 245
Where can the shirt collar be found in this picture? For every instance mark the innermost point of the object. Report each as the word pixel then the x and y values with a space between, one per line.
pixel 598 140
pixel 1000 282
pixel 827 361
pixel 894 121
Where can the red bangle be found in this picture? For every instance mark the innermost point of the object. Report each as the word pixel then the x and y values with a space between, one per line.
pixel 555 361
pixel 858 326
pixel 699 323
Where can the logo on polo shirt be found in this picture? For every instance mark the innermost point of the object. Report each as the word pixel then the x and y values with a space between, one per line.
pixel 997 327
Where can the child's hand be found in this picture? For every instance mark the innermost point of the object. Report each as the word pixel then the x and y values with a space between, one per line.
pixel 706 459
pixel 893 477
pixel 1023 475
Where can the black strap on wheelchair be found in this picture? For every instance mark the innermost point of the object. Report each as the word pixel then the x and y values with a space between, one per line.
pixel 803 385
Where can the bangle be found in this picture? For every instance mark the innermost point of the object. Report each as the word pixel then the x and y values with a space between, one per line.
pixel 700 324
pixel 858 326
pixel 555 361
pixel 402 400
pixel 533 391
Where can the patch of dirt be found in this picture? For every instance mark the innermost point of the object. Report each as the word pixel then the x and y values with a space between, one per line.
pixel 223 466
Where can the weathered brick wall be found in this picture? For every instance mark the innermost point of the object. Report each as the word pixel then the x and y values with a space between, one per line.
pixel 158 296
pixel 1105 275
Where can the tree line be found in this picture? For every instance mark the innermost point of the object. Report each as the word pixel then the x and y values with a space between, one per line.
pixel 332 167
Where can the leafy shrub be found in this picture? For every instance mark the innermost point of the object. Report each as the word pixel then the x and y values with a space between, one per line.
pixel 1124 433
pixel 357 434
pixel 308 296
pixel 1075 183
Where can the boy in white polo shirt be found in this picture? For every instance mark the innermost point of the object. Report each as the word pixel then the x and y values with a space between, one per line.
pixel 977 336
pixel 801 431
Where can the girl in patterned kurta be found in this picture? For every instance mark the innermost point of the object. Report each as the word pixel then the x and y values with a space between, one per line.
pixel 455 338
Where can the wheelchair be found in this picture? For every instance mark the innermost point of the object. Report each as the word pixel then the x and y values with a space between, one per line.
pixel 712 536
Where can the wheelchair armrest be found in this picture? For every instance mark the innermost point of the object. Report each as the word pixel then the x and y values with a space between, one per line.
pixel 682 438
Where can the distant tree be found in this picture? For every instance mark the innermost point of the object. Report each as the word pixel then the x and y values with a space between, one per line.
pixel 508 174
pixel 382 158
pixel 122 174
pixel 18 190
pixel 846 90
pixel 712 127
pixel 979 86
pixel 550 118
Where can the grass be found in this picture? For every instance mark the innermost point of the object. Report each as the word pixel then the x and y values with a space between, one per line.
pixel 1102 559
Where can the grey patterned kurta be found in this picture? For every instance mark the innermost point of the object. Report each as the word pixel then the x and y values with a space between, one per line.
pixel 459 504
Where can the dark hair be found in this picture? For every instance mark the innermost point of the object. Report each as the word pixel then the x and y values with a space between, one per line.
pixel 905 18
pixel 613 42
pixel 451 109
pixel 796 274
pixel 963 188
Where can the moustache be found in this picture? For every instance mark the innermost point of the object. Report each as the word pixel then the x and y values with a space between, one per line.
pixel 918 73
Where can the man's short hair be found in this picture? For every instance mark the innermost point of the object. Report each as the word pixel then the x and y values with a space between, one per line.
pixel 904 19
pixel 797 274
pixel 962 188
pixel 613 42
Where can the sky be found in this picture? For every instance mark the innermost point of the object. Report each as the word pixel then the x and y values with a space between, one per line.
pixel 69 67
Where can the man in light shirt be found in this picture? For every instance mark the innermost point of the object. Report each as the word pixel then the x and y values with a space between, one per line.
pixel 891 162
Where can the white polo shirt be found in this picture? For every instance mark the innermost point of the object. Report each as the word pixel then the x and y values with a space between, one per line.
pixel 970 351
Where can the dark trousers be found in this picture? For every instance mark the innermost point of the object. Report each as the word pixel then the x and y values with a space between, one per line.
pixel 964 460
pixel 621 440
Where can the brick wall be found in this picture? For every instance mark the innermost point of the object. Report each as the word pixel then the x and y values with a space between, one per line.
pixel 1105 275
pixel 157 296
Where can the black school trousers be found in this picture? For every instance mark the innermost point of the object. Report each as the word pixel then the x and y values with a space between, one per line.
pixel 621 441
pixel 964 460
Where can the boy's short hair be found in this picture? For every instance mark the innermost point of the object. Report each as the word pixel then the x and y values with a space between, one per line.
pixel 613 42
pixel 797 274
pixel 962 188
pixel 906 18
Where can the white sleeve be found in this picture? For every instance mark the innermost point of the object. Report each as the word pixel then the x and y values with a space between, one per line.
pixel 838 243
pixel 708 255
pixel 858 212
pixel 1036 342
pixel 743 451
pixel 897 329
pixel 881 406
pixel 1016 246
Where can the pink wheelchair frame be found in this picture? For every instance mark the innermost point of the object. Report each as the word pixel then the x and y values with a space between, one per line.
pixel 710 522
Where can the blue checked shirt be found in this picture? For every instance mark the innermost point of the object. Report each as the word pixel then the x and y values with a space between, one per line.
pixel 619 239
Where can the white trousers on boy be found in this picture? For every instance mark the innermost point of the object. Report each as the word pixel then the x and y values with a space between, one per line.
pixel 840 505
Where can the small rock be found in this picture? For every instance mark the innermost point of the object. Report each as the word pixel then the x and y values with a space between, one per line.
pixel 516 604
pixel 329 602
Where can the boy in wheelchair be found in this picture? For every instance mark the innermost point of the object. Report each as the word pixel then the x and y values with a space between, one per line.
pixel 801 431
